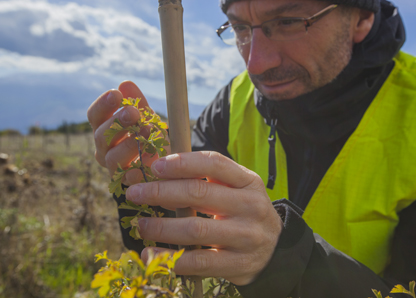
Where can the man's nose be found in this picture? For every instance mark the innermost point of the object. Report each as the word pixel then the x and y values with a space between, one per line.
pixel 264 53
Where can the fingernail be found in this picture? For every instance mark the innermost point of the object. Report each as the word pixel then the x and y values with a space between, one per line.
pixel 159 165
pixel 142 223
pixel 134 193
pixel 125 117
pixel 111 99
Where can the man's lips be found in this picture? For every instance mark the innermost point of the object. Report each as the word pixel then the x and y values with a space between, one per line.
pixel 276 84
pixel 274 87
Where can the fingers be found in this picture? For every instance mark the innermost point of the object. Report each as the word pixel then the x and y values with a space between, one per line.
pixel 128 116
pixel 104 107
pixel 235 267
pixel 197 194
pixel 214 166
pixel 101 114
pixel 124 153
pixel 203 231
pixel 244 231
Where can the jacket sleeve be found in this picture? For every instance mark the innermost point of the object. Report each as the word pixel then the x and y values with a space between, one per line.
pixel 305 265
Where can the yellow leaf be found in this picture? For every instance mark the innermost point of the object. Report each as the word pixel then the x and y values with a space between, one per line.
pixel 104 279
pixel 172 261
pixel 131 256
pixel 130 293
pixel 102 256
pixel 400 289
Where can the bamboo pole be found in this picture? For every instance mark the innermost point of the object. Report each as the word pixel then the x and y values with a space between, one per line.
pixel 171 25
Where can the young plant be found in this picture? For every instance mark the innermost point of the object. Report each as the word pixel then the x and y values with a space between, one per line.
pixel 153 145
pixel 129 277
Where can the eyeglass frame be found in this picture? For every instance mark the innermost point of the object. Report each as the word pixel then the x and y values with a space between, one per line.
pixel 307 22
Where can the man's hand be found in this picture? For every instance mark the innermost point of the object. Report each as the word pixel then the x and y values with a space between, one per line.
pixel 123 149
pixel 245 228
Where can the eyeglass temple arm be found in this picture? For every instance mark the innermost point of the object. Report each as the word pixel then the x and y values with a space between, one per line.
pixel 222 28
pixel 309 21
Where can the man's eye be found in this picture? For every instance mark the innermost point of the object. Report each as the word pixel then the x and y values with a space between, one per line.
pixel 287 22
pixel 239 28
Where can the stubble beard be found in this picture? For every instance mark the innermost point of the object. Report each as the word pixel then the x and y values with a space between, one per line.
pixel 337 58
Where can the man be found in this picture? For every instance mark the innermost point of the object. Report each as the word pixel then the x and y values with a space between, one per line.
pixel 325 115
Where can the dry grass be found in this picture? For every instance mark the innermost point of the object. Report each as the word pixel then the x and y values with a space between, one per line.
pixel 55 215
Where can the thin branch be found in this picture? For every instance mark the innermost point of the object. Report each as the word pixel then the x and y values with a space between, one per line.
pixel 140 157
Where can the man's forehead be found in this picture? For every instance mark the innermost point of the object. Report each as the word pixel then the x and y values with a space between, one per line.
pixel 371 5
pixel 275 7
pixel 225 4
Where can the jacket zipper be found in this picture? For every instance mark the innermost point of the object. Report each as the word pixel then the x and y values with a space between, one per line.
pixel 272 154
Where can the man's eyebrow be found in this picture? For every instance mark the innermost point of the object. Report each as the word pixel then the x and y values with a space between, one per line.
pixel 289 7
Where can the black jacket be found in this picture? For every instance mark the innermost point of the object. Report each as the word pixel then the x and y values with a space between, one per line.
pixel 303 264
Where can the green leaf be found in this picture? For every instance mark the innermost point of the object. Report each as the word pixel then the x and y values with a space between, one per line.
pixel 146 209
pixel 136 164
pixel 134 232
pixel 412 288
pixel 129 205
pixel 116 187
pixel 134 129
pixel 377 293
pixel 148 243
pixel 115 128
pixel 126 221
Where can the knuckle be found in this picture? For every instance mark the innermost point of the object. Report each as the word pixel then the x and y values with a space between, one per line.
pixel 158 228
pixel 131 144
pixel 256 239
pixel 100 142
pixel 133 177
pixel 99 159
pixel 180 162
pixel 197 189
pixel 261 209
pixel 151 190
pixel 218 160
pixel 244 264
pixel 110 161
pixel 198 228
pixel 200 262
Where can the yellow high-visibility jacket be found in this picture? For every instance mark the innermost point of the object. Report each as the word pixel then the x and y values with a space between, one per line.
pixel 355 207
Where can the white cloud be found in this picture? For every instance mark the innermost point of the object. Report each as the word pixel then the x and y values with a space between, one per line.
pixel 38 36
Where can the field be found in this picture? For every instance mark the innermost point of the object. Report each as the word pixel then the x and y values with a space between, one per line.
pixel 55 215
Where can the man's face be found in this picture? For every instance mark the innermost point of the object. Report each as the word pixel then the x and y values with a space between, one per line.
pixel 283 70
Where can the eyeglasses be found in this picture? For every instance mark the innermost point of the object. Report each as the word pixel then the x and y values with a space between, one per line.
pixel 277 29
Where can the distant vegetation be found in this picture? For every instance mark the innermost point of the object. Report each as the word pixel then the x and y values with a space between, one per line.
pixel 64 128
pixel 70 128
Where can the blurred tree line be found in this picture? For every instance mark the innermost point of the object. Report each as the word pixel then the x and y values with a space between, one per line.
pixel 64 128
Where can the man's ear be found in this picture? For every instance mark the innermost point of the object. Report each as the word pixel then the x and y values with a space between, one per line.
pixel 362 25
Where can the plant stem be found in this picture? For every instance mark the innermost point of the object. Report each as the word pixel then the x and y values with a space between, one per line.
pixel 140 157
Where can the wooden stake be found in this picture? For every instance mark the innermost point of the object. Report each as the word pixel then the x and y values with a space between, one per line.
pixel 171 25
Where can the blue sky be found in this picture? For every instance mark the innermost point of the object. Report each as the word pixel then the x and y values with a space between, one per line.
pixel 57 56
